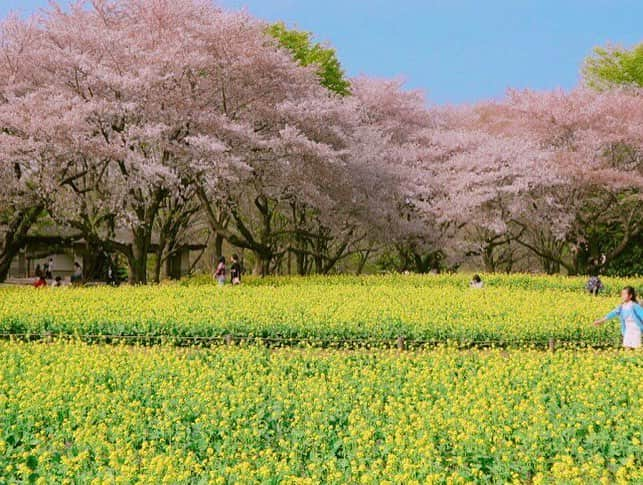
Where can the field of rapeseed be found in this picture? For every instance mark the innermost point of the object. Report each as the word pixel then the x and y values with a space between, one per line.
pixel 74 413
pixel 510 309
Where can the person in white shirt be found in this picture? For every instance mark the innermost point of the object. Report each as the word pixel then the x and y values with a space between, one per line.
pixel 476 282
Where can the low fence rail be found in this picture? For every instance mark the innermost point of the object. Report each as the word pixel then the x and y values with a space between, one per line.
pixel 400 342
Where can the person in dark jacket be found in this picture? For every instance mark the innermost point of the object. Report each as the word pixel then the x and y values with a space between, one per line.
pixel 235 270
pixel 594 285
pixel 77 276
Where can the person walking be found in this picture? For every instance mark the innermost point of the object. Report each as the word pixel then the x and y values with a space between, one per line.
pixel 50 268
pixel 630 314
pixel 77 276
pixel 235 270
pixel 219 274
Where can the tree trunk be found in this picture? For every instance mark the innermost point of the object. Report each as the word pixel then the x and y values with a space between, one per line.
pixel 147 211
pixel 262 265
pixel 137 257
pixel 137 269
pixel 488 260
pixel 550 267
pixel 171 223
pixel 15 238
pixel 10 251
pixel 218 246
pixel 300 258
pixel 5 264
pixel 363 259
pixel 95 260
pixel 157 266
pixel 319 264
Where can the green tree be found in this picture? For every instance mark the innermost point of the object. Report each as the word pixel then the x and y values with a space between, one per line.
pixel 606 68
pixel 307 52
pixel 613 66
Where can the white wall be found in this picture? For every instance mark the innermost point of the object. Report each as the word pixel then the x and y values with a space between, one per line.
pixel 63 264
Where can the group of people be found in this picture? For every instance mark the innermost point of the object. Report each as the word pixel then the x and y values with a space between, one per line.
pixel 594 285
pixel 630 312
pixel 46 274
pixel 235 271
pixel 45 271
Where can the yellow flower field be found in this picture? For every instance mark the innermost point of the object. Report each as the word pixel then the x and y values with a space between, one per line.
pixel 518 309
pixel 76 413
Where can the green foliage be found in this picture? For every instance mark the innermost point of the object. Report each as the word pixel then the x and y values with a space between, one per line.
pixel 629 263
pixel 307 52
pixel 614 66
pixel 603 233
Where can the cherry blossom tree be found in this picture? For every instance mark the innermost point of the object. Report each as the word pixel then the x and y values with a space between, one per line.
pixel 129 120
pixel 136 85
pixel 489 177
pixel 87 125
pixel 133 101
pixel 360 191
pixel 20 207
pixel 596 140
pixel 404 218
pixel 543 170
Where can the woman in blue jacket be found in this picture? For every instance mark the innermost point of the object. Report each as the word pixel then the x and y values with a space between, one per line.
pixel 631 315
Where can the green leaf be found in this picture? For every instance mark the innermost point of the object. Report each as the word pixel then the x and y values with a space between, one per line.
pixel 32 462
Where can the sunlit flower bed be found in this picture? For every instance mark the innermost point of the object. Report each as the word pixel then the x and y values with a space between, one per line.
pixel 78 413
pixel 518 309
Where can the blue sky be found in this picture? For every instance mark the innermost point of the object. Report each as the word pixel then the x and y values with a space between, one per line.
pixel 455 50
